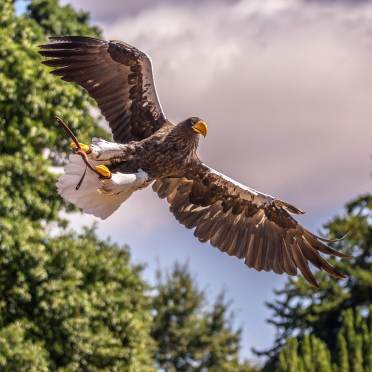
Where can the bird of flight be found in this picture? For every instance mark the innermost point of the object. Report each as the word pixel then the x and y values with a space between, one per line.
pixel 149 149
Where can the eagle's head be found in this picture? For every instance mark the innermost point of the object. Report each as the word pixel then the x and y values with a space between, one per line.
pixel 194 127
pixel 185 136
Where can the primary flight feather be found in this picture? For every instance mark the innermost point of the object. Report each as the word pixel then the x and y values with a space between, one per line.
pixel 149 149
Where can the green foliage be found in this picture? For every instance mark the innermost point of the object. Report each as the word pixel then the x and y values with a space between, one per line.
pixel 18 353
pixel 342 354
pixel 308 355
pixel 354 342
pixel 188 336
pixel 353 348
pixel 83 303
pixel 61 20
pixel 288 357
pixel 30 98
pixel 301 310
pixel 68 302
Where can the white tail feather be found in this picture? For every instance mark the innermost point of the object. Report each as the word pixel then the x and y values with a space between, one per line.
pixel 100 197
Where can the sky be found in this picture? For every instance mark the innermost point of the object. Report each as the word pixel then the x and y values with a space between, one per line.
pixel 286 89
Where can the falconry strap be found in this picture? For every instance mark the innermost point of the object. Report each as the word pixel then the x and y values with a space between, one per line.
pixel 78 151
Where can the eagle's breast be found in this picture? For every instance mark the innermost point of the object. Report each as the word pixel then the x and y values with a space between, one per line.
pixel 166 155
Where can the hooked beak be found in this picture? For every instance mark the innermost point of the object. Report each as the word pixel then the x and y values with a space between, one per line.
pixel 200 127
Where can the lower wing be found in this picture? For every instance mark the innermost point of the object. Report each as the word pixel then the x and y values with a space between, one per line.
pixel 245 223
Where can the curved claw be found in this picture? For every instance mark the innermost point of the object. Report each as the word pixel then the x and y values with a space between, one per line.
pixel 82 146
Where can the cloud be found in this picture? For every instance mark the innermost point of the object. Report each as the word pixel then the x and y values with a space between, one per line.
pixel 284 88
pixel 116 9
pixel 337 2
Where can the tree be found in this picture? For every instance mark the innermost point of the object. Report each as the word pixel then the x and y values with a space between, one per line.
pixel 352 352
pixel 30 97
pixel 190 337
pixel 354 341
pixel 81 300
pixel 301 310
pixel 61 20
pixel 67 301
pixel 288 357
pixel 17 353
pixel 307 355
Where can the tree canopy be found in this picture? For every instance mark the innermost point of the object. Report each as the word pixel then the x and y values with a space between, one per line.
pixel 188 335
pixel 68 302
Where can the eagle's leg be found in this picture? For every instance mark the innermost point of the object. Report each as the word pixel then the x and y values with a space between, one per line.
pixel 102 150
pixel 99 151
pixel 124 183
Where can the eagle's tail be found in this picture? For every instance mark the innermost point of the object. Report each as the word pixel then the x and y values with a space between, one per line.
pixel 100 197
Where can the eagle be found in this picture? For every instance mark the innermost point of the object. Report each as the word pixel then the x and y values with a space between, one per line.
pixel 148 149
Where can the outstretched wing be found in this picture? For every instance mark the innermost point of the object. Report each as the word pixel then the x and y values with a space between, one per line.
pixel 245 223
pixel 117 75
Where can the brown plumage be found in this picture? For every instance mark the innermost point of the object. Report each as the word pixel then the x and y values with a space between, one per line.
pixel 234 218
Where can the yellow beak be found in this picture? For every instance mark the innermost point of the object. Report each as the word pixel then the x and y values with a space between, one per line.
pixel 200 127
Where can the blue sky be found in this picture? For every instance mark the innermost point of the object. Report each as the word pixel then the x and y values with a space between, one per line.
pixel 285 87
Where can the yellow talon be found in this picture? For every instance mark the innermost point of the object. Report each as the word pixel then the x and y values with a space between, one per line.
pixel 103 171
pixel 83 146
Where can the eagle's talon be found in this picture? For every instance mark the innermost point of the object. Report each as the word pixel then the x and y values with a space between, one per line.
pixel 83 147
pixel 103 171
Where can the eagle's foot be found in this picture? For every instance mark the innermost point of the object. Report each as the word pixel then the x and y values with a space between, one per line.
pixel 83 147
pixel 103 171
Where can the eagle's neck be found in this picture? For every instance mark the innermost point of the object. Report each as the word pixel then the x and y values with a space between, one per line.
pixel 183 143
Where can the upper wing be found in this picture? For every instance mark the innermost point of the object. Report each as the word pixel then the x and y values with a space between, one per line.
pixel 118 76
pixel 245 223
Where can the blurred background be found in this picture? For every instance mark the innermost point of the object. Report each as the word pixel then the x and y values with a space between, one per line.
pixel 285 88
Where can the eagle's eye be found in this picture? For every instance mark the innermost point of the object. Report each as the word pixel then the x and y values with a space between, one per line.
pixel 200 127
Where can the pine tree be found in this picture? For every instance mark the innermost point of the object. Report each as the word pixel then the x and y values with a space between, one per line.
pixel 342 354
pixel 305 355
pixel 190 337
pixel 353 342
pixel 367 341
pixel 288 357
pixel 321 356
pixel 352 353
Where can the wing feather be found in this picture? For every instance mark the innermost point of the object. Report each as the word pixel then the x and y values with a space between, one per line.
pixel 117 75
pixel 245 223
